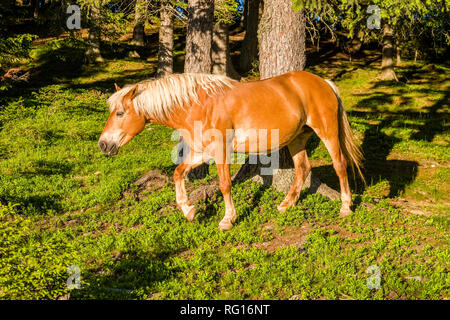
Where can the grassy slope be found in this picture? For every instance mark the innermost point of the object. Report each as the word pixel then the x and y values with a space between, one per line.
pixel 66 204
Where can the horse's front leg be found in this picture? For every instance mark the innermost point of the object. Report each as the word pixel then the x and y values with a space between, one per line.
pixel 191 161
pixel 225 188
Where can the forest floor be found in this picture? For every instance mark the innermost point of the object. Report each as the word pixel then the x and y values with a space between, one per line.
pixel 63 203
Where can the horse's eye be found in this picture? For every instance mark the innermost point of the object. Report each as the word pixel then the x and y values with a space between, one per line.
pixel 119 113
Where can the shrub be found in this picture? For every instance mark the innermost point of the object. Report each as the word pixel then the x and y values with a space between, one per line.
pixel 12 49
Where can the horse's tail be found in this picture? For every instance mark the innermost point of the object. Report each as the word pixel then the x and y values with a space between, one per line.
pixel 349 147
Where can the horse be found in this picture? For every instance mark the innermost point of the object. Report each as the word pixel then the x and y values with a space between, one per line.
pixel 295 105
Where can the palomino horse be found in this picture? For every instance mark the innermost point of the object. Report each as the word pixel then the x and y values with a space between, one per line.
pixel 295 104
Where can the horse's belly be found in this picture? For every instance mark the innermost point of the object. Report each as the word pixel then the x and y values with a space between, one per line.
pixel 256 140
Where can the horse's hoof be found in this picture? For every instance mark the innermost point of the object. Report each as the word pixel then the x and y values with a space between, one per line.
pixel 281 209
pixel 345 212
pixel 233 217
pixel 189 212
pixel 225 225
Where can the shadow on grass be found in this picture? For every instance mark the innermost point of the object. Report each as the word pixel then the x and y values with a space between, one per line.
pixel 51 167
pixel 39 203
pixel 125 278
pixel 376 147
pixel 434 123
pixel 34 204
pixel 387 93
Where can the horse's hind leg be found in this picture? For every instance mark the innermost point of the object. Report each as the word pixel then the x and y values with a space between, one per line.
pixel 340 166
pixel 225 187
pixel 191 161
pixel 302 169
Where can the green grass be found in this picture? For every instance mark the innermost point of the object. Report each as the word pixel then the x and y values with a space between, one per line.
pixel 63 203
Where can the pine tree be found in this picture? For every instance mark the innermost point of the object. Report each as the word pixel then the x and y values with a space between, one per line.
pixel 199 36
pixel 249 50
pixel 224 11
pixel 165 51
pixel 140 16
pixel 92 53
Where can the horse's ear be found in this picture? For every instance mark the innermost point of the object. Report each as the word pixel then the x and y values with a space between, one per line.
pixel 128 98
pixel 116 86
pixel 132 93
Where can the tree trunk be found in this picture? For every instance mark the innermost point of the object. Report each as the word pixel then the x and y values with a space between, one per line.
pixel 35 4
pixel 282 49
pixel 243 22
pixel 220 54
pixel 249 50
pixel 165 52
pixel 93 51
pixel 140 17
pixel 199 36
pixel 397 49
pixel 282 39
pixel 387 59
pixel 198 55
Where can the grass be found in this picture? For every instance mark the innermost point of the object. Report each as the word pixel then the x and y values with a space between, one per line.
pixel 63 203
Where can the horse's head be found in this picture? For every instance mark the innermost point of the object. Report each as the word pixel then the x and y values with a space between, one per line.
pixel 123 124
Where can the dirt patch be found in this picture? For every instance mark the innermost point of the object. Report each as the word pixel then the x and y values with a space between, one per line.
pixel 153 179
pixel 343 233
pixel 291 236
pixel 199 193
pixel 414 206
pixel 203 193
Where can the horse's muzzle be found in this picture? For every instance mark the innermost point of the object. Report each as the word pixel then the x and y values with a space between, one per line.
pixel 109 149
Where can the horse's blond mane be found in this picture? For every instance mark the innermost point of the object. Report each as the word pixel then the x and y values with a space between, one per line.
pixel 159 98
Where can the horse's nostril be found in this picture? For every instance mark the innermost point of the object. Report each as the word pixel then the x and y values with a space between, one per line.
pixel 109 149
pixel 113 150
pixel 102 146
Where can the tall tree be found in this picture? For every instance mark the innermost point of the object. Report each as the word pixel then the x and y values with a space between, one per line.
pixel 35 6
pixel 92 53
pixel 249 50
pixel 282 39
pixel 388 51
pixel 220 53
pixel 165 51
pixel 140 16
pixel 199 36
